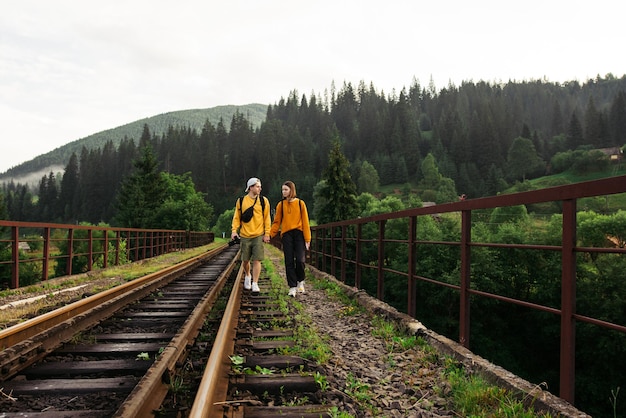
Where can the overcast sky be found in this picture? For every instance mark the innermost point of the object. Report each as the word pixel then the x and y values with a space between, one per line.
pixel 71 68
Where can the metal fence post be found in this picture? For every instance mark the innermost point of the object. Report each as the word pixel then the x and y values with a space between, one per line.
pixel 380 290
pixel 568 302
pixel 411 260
pixel 15 255
pixel 464 314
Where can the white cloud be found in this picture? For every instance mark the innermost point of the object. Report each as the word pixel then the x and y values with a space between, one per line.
pixel 70 68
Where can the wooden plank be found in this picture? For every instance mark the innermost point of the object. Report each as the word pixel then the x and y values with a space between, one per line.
pixel 275 384
pixel 272 334
pixel 75 368
pixel 279 362
pixel 112 349
pixel 315 411
pixel 160 314
pixel 69 386
pixel 59 414
pixel 257 306
pixel 264 334
pixel 134 337
pixel 164 305
pixel 146 322
pixel 268 345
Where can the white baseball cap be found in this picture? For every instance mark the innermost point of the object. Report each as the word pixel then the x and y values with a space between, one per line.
pixel 251 182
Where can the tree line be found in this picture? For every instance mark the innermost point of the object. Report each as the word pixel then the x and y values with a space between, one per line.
pixel 480 137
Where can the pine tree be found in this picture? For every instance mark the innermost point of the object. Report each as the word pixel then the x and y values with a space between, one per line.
pixel 4 213
pixel 142 193
pixel 486 148
pixel 556 126
pixel 92 177
pixel 107 190
pixel 575 133
pixel 206 164
pixel 335 195
pixel 20 203
pixel 593 125
pixel 48 198
pixel 68 197
pixel 345 111
pixel 617 119
pixel 270 134
pixel 241 147
pixel 221 139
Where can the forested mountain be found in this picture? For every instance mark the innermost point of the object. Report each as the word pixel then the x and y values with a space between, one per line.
pixel 159 124
pixel 482 136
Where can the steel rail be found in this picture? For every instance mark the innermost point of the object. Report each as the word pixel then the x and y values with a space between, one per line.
pixel 153 387
pixel 25 343
pixel 213 388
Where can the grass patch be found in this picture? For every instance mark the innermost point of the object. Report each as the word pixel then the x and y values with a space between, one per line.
pixel 475 397
pixel 470 394
pixel 94 282
pixel 308 344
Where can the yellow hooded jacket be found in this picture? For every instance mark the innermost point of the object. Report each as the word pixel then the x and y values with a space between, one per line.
pixel 260 223
pixel 291 215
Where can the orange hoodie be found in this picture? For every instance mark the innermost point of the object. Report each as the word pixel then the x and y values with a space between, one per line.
pixel 291 215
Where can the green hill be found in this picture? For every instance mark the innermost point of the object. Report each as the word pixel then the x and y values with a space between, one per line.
pixel 56 159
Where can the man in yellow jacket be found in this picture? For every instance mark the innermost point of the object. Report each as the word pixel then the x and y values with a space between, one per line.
pixel 252 223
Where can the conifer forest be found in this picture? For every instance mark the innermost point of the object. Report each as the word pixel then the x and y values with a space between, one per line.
pixel 483 136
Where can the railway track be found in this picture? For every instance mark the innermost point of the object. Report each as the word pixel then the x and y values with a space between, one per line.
pixel 263 382
pixel 115 353
pixel 119 353
pixel 250 377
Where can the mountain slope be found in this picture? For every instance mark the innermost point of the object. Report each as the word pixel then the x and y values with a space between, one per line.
pixel 56 159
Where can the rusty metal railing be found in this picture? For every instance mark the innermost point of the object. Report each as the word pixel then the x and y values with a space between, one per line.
pixel 44 250
pixel 337 246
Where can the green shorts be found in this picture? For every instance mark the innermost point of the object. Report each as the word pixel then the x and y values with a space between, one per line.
pixel 252 249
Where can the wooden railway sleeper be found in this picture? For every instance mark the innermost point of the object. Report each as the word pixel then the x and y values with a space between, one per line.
pixel 23 353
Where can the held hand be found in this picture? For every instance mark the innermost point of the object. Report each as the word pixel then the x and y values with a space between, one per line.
pixel 266 238
pixel 234 235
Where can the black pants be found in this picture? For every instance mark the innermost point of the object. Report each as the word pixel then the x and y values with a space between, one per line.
pixel 295 256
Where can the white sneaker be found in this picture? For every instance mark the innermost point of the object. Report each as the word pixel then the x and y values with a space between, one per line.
pixel 301 286
pixel 255 287
pixel 292 292
pixel 247 282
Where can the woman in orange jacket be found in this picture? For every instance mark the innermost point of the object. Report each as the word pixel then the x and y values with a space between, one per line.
pixel 292 219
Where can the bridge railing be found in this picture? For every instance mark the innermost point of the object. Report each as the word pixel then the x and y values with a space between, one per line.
pixel 341 247
pixel 37 251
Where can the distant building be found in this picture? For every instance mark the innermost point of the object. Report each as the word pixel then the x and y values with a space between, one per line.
pixel 614 153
